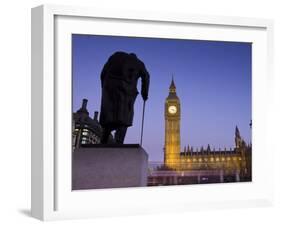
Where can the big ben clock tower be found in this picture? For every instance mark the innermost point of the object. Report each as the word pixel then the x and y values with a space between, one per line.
pixel 172 128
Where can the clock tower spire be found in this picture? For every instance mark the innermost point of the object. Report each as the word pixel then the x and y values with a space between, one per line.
pixel 172 128
pixel 172 86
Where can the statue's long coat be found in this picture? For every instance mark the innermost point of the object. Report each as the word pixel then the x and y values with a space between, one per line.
pixel 119 79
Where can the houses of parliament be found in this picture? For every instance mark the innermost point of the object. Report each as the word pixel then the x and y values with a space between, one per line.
pixel 212 165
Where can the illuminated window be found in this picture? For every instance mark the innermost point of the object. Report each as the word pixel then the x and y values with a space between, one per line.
pixel 217 159
pixel 200 160
pixel 228 158
pixel 212 159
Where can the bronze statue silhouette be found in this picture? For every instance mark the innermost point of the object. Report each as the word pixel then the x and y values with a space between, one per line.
pixel 119 78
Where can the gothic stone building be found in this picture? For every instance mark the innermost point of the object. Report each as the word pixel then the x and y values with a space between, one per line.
pixel 233 163
pixel 85 130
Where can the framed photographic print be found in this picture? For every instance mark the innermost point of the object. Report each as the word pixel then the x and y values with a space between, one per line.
pixel 137 112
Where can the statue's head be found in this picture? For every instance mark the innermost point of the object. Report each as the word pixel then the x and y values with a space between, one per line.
pixel 133 55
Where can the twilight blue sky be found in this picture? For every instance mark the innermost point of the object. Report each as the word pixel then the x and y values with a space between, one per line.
pixel 213 81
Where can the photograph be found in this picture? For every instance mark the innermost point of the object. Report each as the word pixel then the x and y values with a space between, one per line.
pixel 150 111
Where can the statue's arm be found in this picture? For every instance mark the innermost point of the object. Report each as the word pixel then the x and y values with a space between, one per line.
pixel 145 78
pixel 106 68
pixel 103 74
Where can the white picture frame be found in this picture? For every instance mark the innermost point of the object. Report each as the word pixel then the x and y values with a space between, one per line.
pixel 52 197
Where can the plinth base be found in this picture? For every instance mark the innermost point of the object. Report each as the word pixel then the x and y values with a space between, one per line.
pixel 109 167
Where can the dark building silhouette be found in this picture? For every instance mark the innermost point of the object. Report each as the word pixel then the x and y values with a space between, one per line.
pixel 85 130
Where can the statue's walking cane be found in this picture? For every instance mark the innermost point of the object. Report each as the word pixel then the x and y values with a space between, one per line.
pixel 143 109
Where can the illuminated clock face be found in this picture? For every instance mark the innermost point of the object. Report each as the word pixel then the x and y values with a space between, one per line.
pixel 172 109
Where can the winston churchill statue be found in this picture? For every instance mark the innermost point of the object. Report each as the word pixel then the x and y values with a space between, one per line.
pixel 119 78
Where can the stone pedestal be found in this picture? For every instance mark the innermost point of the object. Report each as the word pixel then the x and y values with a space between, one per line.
pixel 100 166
